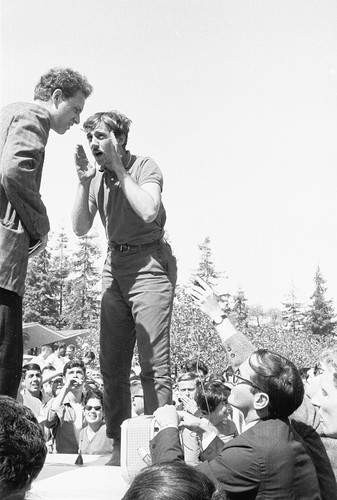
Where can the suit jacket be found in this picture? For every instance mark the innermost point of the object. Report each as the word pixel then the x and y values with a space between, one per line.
pixel 266 461
pixel 305 420
pixel 23 219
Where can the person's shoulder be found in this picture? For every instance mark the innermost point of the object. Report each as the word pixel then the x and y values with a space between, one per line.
pixel 266 432
pixel 144 162
pixel 144 169
pixel 32 109
pixel 26 114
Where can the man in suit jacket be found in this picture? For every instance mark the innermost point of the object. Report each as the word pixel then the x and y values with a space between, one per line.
pixel 59 99
pixel 269 459
pixel 307 421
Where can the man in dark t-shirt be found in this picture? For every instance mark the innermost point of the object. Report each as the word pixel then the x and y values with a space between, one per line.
pixel 139 274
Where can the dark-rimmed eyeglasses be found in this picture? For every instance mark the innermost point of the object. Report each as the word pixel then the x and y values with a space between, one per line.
pixel 89 408
pixel 237 377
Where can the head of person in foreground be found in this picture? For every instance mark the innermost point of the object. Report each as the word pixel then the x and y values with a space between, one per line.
pixel 172 481
pixel 22 449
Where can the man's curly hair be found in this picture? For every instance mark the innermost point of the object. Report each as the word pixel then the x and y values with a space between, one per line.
pixel 65 79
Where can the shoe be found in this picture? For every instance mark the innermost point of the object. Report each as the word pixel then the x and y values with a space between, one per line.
pixel 115 459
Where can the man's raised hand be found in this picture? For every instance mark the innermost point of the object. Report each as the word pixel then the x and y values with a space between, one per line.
pixel 114 153
pixel 85 171
pixel 204 297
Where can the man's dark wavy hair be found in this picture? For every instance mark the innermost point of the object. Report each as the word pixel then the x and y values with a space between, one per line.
pixel 65 79
pixel 115 121
pixel 172 481
pixel 22 448
pixel 74 363
pixel 210 394
pixel 280 379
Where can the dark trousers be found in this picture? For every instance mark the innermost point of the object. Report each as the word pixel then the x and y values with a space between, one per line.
pixel 136 306
pixel 11 343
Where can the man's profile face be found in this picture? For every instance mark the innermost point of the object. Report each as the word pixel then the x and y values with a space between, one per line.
pixel 241 395
pixel 220 413
pixel 33 381
pixel 66 112
pixel 313 381
pixel 326 399
pixel 187 388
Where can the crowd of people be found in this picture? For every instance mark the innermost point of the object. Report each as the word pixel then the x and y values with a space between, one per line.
pixel 253 430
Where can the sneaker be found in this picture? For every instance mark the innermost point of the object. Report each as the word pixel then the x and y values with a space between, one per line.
pixel 115 458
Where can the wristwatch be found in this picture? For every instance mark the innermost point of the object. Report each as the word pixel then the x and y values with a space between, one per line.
pixel 219 319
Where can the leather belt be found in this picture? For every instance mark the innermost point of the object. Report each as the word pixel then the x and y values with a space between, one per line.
pixel 125 247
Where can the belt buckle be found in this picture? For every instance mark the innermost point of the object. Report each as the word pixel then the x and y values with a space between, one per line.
pixel 124 247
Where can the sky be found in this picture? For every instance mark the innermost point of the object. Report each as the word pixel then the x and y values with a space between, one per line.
pixel 235 100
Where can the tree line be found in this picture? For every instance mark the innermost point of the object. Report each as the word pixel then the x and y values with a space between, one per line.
pixel 63 292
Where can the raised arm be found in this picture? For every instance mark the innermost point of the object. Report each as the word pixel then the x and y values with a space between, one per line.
pixel 145 199
pixel 83 212
pixel 236 344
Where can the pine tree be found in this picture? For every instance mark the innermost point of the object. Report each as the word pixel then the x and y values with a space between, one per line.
pixel 292 313
pixel 40 303
pixel 193 335
pixel 320 315
pixel 82 293
pixel 240 309
pixel 206 269
pixel 61 268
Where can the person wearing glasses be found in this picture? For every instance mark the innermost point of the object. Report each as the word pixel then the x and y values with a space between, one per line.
pixel 269 459
pixel 93 439
pixel 310 419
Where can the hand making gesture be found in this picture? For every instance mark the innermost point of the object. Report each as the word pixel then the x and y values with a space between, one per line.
pixel 85 171
pixel 114 154
pixel 204 297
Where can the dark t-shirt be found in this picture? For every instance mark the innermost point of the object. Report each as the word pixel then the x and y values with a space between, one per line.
pixel 121 223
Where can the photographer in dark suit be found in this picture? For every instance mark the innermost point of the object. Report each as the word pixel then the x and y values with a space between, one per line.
pixel 269 459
